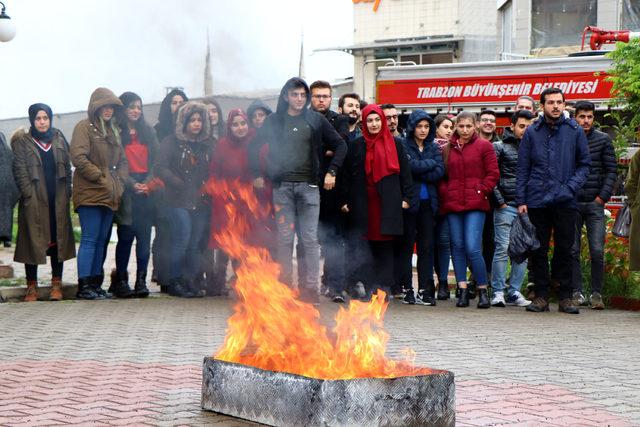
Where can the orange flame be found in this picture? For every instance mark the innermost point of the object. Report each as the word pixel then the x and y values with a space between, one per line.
pixel 272 329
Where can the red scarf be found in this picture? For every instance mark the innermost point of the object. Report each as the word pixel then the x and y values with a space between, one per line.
pixel 381 158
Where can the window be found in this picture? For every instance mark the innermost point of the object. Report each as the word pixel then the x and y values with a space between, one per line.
pixel 631 15
pixel 557 23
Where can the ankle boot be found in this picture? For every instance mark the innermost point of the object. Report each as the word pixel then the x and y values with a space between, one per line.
pixel 121 288
pixel 114 280
pixel 177 288
pixel 32 291
pixel 56 289
pixel 443 290
pixel 96 285
pixel 463 298
pixel 483 298
pixel 86 290
pixel 141 290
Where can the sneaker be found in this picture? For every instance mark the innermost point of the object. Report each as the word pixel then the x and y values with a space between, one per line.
pixel 569 306
pixel 596 301
pixel 399 295
pixel 337 298
pixel 424 299
pixel 517 299
pixel 538 305
pixel 409 297
pixel 579 299
pixel 498 299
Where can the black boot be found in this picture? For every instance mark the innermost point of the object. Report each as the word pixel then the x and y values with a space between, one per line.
pixel 428 295
pixel 472 286
pixel 141 290
pixel 114 280
pixel 85 290
pixel 121 288
pixel 443 290
pixel 483 298
pixel 463 298
pixel 96 285
pixel 177 288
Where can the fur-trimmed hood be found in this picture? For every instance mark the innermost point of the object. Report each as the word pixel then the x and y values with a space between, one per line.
pixel 185 112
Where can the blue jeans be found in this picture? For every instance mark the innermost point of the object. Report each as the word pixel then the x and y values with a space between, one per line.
pixel 502 220
pixel 590 214
pixel 140 230
pixel 298 203
pixel 188 236
pixel 95 223
pixel 466 245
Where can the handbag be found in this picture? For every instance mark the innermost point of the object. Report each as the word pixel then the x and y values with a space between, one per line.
pixel 622 223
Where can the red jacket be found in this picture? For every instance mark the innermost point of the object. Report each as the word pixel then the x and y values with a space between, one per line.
pixel 471 173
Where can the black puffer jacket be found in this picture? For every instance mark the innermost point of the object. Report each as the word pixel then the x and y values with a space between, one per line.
pixel 507 154
pixel 602 173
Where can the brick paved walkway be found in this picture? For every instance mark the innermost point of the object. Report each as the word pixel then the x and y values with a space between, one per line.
pixel 139 362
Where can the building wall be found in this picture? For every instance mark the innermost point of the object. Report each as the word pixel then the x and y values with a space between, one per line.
pixel 478 21
pixel 404 18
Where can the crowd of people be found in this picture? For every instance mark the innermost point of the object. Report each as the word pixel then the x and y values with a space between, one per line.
pixel 350 187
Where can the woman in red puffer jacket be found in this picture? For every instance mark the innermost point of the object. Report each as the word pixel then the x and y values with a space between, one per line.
pixel 471 172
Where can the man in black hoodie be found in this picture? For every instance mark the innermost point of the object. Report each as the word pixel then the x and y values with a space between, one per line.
pixel 591 199
pixel 297 139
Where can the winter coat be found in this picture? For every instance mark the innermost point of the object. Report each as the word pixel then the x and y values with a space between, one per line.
pixel 471 174
pixel 100 164
pixel 8 190
pixel 602 173
pixel 507 156
pixel 34 233
pixel 323 137
pixel 183 164
pixel 124 216
pixel 392 189
pixel 632 188
pixel 427 165
pixel 553 164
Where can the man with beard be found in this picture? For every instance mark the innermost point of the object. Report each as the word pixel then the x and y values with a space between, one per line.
pixel 391 114
pixel 331 227
pixel 296 139
pixel 349 105
pixel 553 165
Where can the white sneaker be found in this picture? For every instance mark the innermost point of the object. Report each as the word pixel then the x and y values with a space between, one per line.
pixel 498 299
pixel 518 299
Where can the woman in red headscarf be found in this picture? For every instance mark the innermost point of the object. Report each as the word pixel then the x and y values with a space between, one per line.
pixel 229 162
pixel 378 188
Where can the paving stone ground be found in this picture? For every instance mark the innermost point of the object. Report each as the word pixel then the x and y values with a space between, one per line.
pixel 138 362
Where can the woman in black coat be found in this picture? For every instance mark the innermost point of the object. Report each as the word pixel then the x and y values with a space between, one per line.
pixel 378 188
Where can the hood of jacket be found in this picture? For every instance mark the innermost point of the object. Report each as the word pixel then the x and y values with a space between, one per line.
pixel 509 137
pixel 258 104
pixel 99 98
pixel 283 103
pixel 415 117
pixel 184 113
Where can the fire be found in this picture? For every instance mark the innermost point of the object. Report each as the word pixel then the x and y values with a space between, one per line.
pixel 272 329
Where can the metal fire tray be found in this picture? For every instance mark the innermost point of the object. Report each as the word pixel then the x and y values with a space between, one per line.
pixel 283 399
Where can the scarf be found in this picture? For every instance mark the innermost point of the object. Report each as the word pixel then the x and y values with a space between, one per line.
pixel 248 137
pixel 43 137
pixel 381 158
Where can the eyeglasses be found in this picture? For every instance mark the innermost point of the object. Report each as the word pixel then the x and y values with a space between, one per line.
pixel 297 95
pixel 487 120
pixel 321 96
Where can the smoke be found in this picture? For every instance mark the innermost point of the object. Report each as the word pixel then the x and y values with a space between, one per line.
pixel 64 50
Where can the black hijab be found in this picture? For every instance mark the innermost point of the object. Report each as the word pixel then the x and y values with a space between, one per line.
pixel 44 137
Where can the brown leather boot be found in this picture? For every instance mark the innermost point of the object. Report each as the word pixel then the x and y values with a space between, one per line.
pixel 56 289
pixel 32 291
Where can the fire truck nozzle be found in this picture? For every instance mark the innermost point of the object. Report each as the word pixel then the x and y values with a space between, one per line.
pixel 600 37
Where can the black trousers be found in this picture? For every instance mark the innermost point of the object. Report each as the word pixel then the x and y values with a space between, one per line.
pixel 380 266
pixel 418 231
pixel 562 222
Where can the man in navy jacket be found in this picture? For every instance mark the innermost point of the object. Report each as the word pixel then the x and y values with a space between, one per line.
pixel 553 164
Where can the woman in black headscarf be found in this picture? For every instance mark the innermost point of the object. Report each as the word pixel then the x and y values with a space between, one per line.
pixel 42 172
